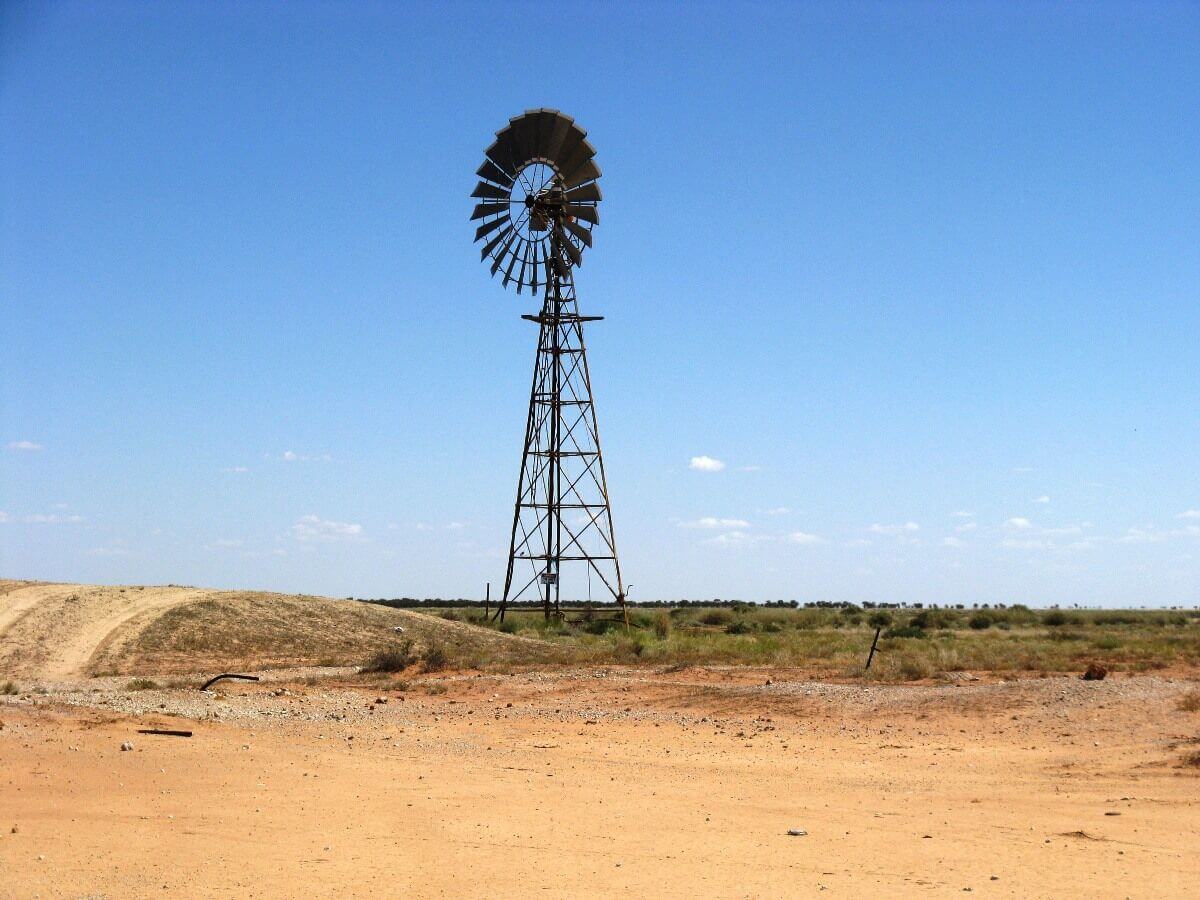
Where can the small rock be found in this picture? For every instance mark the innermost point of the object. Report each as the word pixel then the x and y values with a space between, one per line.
pixel 797 832
pixel 381 699
pixel 14 829
pixel 126 745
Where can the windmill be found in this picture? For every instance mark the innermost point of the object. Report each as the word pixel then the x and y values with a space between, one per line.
pixel 537 199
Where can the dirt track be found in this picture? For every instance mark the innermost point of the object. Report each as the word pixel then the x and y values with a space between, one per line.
pixel 603 784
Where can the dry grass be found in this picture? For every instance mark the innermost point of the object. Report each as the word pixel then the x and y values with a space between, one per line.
pixel 239 630
pixel 1190 702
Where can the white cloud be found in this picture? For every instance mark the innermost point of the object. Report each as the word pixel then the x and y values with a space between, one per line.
pixel 713 522
pixel 1018 522
pixel 25 445
pixel 1189 514
pixel 953 542
pixel 706 464
pixel 1042 499
pixel 962 514
pixel 293 456
pixel 1064 530
pixel 313 528
pixel 908 527
pixel 1143 536
pixel 226 543
pixel 113 549
pixel 1022 470
pixel 777 511
pixel 857 542
pixel 53 519
pixel 803 537
pixel 5 517
pixel 965 527
pixel 235 470
pixel 456 526
pixel 1031 544
pixel 730 539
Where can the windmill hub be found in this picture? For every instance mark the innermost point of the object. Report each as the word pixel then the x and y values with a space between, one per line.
pixel 537 199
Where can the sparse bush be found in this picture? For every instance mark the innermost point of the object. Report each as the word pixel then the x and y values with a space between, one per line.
pixel 739 626
pixel 715 617
pixel 905 631
pixel 508 626
pixel 435 658
pixel 880 619
pixel 914 668
pixel 1190 702
pixel 9 688
pixel 662 625
pixel 1056 618
pixel 393 659
pixel 141 684
pixel 980 621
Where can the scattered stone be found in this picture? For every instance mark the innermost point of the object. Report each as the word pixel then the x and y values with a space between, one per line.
pixel 1095 672
pixel 126 745
pixel 381 699
pixel 797 832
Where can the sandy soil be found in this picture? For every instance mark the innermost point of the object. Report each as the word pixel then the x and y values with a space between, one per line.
pixel 606 783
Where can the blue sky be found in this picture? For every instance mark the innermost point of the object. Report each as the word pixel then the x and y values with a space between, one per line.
pixel 923 279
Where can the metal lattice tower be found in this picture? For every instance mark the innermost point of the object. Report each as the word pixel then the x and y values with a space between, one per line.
pixel 539 201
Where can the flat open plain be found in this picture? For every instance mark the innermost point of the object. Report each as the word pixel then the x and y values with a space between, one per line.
pixel 609 781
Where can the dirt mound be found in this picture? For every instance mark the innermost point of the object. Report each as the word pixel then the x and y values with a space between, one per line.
pixel 72 630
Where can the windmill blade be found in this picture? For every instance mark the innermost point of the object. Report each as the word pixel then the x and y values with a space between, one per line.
pixel 576 158
pixel 579 231
pixel 559 130
pixel 499 257
pixel 587 193
pixel 572 251
pixel 543 122
pixel 524 263
pixel 521 131
pixel 508 271
pixel 589 171
pixel 574 138
pixel 488 227
pixel 489 191
pixel 493 172
pixel 490 245
pixel 587 213
pixel 488 209
pixel 537 252
pixel 500 157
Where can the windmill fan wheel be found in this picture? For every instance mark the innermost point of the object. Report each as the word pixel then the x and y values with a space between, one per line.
pixel 538 198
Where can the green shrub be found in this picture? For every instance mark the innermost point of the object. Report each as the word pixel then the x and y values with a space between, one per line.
pixel 880 619
pixel 739 626
pixel 980 621
pixel 906 631
pixel 662 625
pixel 716 617
pixel 394 659
pixel 435 658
